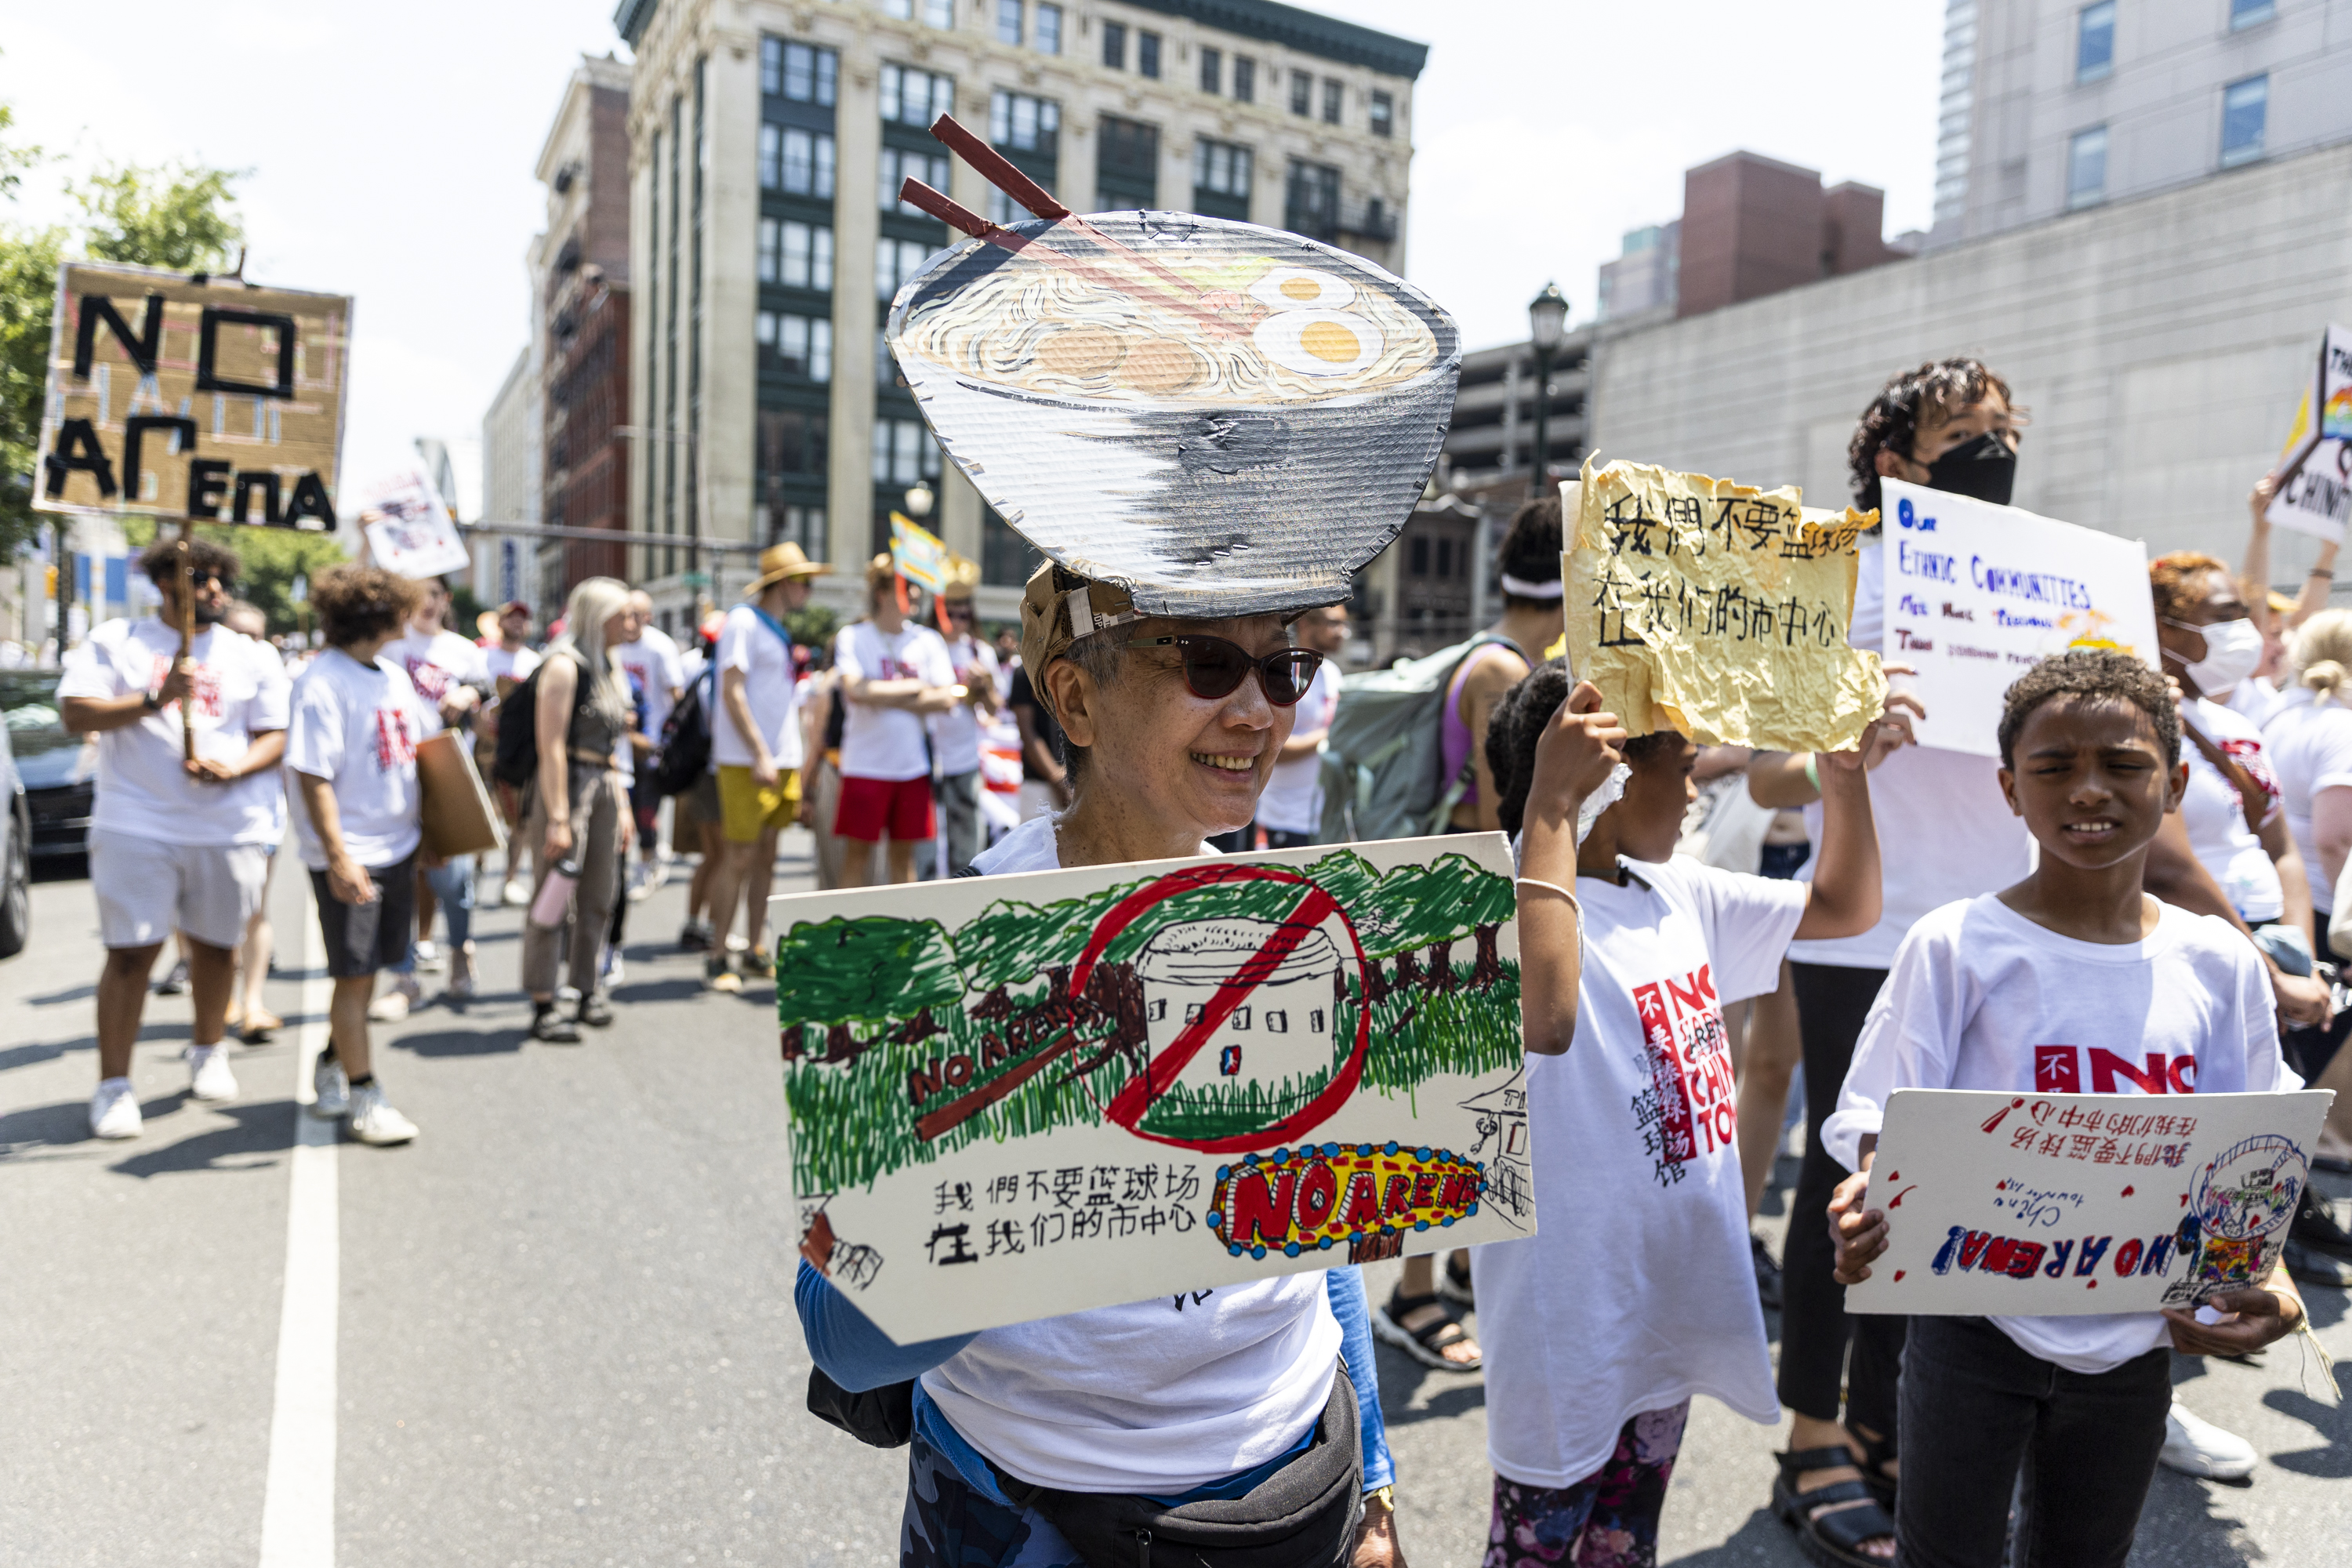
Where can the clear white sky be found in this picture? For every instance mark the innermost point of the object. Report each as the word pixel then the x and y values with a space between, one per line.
pixel 391 148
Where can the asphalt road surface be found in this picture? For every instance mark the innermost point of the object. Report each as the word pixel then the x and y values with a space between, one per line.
pixel 558 1328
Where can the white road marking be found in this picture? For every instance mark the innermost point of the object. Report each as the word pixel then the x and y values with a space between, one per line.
pixel 298 1506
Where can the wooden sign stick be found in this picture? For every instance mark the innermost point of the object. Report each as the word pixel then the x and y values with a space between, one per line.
pixel 187 631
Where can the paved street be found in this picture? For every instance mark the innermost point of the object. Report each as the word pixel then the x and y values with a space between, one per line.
pixel 558 1328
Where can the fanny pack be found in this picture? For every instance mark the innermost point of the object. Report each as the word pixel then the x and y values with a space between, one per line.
pixel 1302 1516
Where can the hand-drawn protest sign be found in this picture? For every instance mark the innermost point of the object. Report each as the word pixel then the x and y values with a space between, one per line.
pixel 2061 1203
pixel 1978 594
pixel 409 527
pixel 1716 609
pixel 177 395
pixel 1018 1096
pixel 918 555
pixel 2315 492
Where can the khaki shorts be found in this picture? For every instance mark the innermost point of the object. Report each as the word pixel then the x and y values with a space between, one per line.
pixel 746 810
pixel 146 888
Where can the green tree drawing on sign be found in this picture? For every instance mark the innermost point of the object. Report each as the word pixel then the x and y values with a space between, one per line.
pixel 875 970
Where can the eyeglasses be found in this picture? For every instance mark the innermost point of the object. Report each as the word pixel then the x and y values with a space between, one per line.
pixel 1215 669
pixel 959 612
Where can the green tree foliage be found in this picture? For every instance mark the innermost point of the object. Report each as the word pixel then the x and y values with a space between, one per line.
pixel 180 217
pixel 869 970
pixel 271 558
pixel 812 625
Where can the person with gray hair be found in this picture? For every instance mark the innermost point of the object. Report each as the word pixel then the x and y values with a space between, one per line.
pixel 579 812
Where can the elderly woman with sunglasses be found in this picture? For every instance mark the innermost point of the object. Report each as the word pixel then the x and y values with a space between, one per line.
pixel 1173 727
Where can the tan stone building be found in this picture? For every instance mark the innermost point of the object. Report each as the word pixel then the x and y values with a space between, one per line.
pixel 767 141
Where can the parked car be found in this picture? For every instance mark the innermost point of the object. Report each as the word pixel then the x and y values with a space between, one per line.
pixel 16 854
pixel 58 771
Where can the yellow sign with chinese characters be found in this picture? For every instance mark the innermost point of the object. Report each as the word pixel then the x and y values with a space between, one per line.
pixel 1716 609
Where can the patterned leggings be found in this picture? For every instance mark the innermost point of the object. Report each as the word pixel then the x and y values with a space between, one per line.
pixel 1608 1520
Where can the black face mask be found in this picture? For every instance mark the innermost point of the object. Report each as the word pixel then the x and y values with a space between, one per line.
pixel 1982 470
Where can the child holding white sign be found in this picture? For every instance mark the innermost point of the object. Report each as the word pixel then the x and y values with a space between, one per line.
pixel 1631 1115
pixel 2090 748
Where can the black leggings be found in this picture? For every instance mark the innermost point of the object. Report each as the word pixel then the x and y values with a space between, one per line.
pixel 1831 1002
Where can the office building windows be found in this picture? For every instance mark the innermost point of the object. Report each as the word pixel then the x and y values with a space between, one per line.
pixel 792 441
pixel 1310 200
pixel 2086 167
pixel 1334 94
pixel 1146 53
pixel 796 163
pixel 1213 71
pixel 939 13
pixel 2246 13
pixel 911 97
pixel 2245 111
pixel 1048 36
pixel 2094 41
pixel 1302 93
pixel 795 255
pixel 786 523
pixel 895 261
pixel 1127 164
pixel 1383 117
pixel 1022 123
pixel 795 345
pixel 904 452
pixel 799 72
pixel 904 10
pixel 895 166
pixel 1008 21
pixel 1221 179
pixel 1115 46
pixel 1244 80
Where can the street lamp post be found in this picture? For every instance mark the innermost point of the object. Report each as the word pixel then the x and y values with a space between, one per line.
pixel 1547 328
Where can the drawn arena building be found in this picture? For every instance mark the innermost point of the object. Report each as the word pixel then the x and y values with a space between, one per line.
pixel 1281 1030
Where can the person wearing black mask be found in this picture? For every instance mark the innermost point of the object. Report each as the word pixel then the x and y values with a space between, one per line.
pixel 1947 833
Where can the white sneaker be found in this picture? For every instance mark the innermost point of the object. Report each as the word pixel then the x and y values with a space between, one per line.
pixel 2197 1448
pixel 374 1121
pixel 393 1005
pixel 428 957
pixel 333 1086
pixel 208 1074
pixel 515 894
pixel 114 1110
pixel 461 971
pixel 615 972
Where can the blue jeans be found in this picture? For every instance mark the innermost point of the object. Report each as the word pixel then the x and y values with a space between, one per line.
pixel 453 888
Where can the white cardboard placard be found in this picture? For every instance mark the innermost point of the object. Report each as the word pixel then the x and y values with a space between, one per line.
pixel 409 530
pixel 1978 594
pixel 2054 1204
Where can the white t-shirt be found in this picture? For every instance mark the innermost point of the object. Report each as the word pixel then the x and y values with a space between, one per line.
pixel 143 788
pixel 746 643
pixel 2310 747
pixel 888 743
pixel 1636 1160
pixel 652 665
pixel 438 664
pixel 1944 832
pixel 1980 997
pixel 357 726
pixel 1157 1395
pixel 957 730
pixel 2255 699
pixel 1293 798
pixel 2216 819
pixel 505 664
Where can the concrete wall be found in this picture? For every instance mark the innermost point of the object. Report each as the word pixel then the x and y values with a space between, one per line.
pixel 2161 345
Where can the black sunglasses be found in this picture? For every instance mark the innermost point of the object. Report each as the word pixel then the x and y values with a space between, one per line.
pixel 1215 669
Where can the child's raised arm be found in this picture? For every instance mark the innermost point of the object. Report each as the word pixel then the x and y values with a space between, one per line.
pixel 1845 896
pixel 1573 758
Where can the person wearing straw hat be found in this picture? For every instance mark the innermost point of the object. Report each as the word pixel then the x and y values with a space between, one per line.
pixel 1206 428
pixel 957 733
pixel 756 750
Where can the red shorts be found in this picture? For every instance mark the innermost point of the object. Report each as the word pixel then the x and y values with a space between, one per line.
pixel 870 807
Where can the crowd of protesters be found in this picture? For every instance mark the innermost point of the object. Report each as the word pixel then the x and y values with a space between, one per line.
pixel 2183 836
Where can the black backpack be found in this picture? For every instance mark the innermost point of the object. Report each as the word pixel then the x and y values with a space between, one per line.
pixel 686 740
pixel 516 764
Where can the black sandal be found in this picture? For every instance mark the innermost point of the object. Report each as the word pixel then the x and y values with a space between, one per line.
pixel 1834 1537
pixel 1454 1281
pixel 1425 1343
pixel 1878 1453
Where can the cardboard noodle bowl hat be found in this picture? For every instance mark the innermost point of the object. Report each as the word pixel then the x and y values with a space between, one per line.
pixel 1198 417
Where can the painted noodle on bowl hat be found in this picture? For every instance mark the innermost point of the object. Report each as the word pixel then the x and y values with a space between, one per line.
pixel 1217 418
